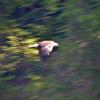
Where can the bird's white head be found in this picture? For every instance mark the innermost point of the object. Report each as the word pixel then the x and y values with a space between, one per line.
pixel 33 46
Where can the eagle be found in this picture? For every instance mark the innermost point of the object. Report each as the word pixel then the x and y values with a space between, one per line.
pixel 45 48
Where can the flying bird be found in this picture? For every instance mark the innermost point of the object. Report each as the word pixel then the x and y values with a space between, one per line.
pixel 45 48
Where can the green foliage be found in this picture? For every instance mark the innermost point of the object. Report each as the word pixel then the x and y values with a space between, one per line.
pixel 73 70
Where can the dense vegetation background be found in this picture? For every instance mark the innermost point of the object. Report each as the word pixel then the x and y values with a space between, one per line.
pixel 72 72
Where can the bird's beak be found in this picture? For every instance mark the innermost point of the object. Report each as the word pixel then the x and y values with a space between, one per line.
pixel 33 46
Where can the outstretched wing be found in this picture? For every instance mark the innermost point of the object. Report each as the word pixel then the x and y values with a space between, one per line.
pixel 46 50
pixel 49 47
pixel 55 44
